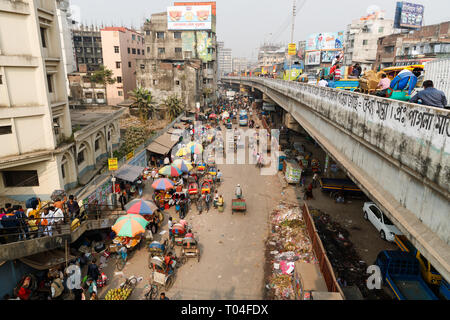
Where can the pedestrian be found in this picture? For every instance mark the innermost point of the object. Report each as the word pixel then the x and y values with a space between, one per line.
pixel 430 96
pixel 57 218
pixel 207 201
pixel 170 225
pixel 32 226
pixel 139 186
pixel 323 82
pixel 216 198
pixel 162 296
pixel 123 199
pixel 46 223
pixel 315 180
pixel 309 193
pixel 93 271
pixel 22 223
pixel 383 86
pixel 92 288
pixel 73 208
pixel 56 288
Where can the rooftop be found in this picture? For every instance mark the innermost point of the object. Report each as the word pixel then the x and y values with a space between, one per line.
pixel 86 115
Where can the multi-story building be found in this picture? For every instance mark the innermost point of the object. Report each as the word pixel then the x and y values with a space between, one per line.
pixel 361 39
pixel 65 30
pixel 240 65
pixel 428 43
pixel 225 59
pixel 178 62
pixel 270 54
pixel 88 47
pixel 40 151
pixel 121 47
pixel 83 91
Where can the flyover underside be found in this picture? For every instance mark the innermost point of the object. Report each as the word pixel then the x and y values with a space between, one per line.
pixel 393 186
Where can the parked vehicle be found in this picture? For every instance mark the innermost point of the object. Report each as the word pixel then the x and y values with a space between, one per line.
pixel 238 205
pixel 429 273
pixel 401 274
pixel 190 249
pixel 380 221
pixel 342 185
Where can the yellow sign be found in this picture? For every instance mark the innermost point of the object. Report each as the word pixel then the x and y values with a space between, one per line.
pixel 292 49
pixel 112 164
pixel 130 155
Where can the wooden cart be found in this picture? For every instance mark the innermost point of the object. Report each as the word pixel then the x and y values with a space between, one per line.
pixel 238 205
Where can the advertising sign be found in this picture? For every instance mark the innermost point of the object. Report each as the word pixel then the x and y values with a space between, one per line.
pixel 325 41
pixel 112 164
pixel 292 49
pixel 329 55
pixel 212 4
pixel 189 18
pixel 130 155
pixel 312 58
pixel 408 15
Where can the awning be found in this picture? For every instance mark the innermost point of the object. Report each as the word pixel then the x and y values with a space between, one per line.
pixel 157 148
pixel 129 173
pixel 164 143
pixel 47 260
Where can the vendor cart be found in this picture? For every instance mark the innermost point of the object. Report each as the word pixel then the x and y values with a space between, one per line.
pixel 124 291
pixel 238 205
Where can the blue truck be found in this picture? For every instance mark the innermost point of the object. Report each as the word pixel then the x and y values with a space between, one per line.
pixel 400 271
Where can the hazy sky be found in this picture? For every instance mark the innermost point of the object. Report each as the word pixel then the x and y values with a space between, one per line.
pixel 245 24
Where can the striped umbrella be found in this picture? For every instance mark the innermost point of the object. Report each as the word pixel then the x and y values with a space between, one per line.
pixel 130 225
pixel 195 147
pixel 183 165
pixel 142 207
pixel 162 184
pixel 170 171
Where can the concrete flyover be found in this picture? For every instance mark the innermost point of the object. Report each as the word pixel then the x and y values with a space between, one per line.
pixel 397 152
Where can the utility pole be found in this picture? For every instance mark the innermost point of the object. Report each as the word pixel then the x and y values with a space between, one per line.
pixel 294 9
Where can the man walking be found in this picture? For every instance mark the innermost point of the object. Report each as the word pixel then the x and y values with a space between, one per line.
pixel 74 209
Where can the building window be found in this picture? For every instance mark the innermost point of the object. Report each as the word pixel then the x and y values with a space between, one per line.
pixel 120 93
pixel 100 95
pixel 209 34
pixel 154 82
pixel 129 51
pixel 177 82
pixel 380 29
pixel 142 66
pixel 160 35
pixel 134 51
pixel 88 50
pixel 109 135
pixel 133 37
pixel 116 49
pixel 139 38
pixel 44 42
pixel 161 50
pixel 49 83
pixel 5 130
pixel 80 157
pixel 148 49
pixel 143 52
pixel 178 50
pixel 177 35
pixel 139 51
pixel 147 32
pixel 365 42
pixel 119 79
pixel 117 64
pixel 21 178
pixel 1 79
pixel 97 144
pixel 63 171
pixel 88 95
pixel 129 64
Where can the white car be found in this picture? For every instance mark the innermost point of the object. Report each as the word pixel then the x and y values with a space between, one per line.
pixel 384 226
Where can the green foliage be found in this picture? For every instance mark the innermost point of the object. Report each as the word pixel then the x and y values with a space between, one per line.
pixel 133 138
pixel 103 76
pixel 174 107
pixel 142 99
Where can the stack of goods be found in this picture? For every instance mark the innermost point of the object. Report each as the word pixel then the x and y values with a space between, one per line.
pixel 288 242
pixel 118 294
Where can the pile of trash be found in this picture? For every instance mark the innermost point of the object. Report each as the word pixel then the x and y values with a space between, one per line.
pixel 348 266
pixel 287 243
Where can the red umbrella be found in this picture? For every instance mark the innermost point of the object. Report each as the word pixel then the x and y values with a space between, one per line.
pixel 213 116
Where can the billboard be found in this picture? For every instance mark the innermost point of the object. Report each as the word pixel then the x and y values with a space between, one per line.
pixel 329 55
pixel 189 18
pixel 408 15
pixel 325 41
pixel 292 49
pixel 312 58
pixel 212 4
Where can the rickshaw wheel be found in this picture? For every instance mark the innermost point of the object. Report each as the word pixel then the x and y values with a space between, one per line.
pixel 169 282
pixel 198 256
pixel 149 261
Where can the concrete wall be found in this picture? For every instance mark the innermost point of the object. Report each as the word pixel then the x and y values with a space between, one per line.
pixel 397 152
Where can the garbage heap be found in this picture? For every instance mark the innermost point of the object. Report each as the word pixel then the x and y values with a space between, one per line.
pixel 288 242
pixel 348 266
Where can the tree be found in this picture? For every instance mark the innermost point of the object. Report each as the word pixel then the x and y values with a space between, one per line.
pixel 174 107
pixel 102 76
pixel 142 99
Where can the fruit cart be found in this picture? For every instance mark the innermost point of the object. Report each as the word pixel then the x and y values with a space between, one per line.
pixel 124 291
